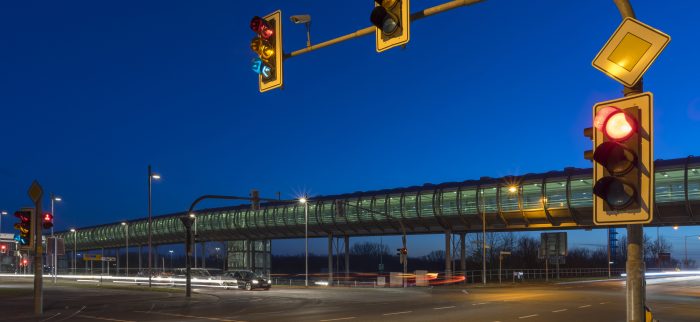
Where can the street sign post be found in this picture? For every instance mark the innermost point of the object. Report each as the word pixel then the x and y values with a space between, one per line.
pixel 630 51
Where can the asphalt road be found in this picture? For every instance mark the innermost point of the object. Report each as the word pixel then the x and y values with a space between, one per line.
pixel 670 299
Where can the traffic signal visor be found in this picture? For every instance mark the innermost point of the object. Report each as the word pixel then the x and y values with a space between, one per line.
pixel 392 19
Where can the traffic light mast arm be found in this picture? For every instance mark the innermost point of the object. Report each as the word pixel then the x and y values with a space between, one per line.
pixel 370 30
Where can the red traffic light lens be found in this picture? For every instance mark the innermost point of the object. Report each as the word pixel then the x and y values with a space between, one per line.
pixel 48 217
pixel 261 27
pixel 615 123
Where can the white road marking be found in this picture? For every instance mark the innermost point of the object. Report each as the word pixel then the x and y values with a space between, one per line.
pixel 465 292
pixel 397 313
pixel 482 303
pixel 557 311
pixel 51 317
pixel 76 313
pixel 444 307
pixel 101 318
pixel 189 316
pixel 584 306
pixel 528 316
pixel 338 319
pixel 602 303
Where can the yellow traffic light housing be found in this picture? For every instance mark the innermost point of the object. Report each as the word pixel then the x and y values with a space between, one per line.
pixel 268 45
pixel 623 171
pixel 392 19
pixel 25 228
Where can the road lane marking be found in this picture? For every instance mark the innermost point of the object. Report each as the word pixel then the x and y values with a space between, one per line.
pixel 338 319
pixel 397 313
pixel 51 317
pixel 444 307
pixel 528 316
pixel 482 303
pixel 189 316
pixel 602 303
pixel 101 318
pixel 584 306
pixel 76 313
pixel 557 311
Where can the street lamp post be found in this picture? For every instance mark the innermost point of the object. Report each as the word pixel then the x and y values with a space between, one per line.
pixel 223 266
pixel 54 258
pixel 306 240
pixel 151 176
pixel 75 248
pixel 126 233
pixel 171 258
pixel 685 242
pixel 194 240
pixel 2 213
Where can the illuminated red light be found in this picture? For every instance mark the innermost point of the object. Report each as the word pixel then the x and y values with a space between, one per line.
pixel 615 123
pixel 260 26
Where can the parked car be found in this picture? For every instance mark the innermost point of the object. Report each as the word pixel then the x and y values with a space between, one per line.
pixel 245 279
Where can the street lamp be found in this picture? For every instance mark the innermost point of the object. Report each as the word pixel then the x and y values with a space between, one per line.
pixel 151 176
pixel 685 242
pixel 2 213
pixel 194 242
pixel 304 201
pixel 75 248
pixel 126 233
pixel 223 266
pixel 171 258
pixel 54 258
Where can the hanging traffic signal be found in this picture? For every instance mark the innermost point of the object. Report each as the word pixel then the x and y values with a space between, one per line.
pixel 3 248
pixel 47 220
pixel 268 45
pixel 623 154
pixel 24 227
pixel 392 19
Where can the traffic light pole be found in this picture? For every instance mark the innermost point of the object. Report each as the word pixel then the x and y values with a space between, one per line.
pixel 38 262
pixel 636 296
pixel 370 30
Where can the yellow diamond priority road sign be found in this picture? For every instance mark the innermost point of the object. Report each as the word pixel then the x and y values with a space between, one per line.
pixel 630 51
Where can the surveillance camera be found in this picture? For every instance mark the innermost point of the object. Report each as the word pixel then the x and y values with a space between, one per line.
pixel 300 18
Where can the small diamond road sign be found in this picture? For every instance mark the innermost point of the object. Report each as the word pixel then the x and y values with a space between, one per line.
pixel 35 191
pixel 630 51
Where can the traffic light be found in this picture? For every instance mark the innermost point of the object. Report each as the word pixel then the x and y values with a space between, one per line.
pixel 47 220
pixel 268 45
pixel 623 154
pixel 24 227
pixel 3 248
pixel 402 253
pixel 392 19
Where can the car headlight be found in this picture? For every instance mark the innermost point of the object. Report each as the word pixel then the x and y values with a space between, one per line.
pixel 255 282
pixel 269 281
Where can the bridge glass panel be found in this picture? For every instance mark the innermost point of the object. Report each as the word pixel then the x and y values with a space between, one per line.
pixel 670 186
pixel 581 193
pixel 290 214
pixel 409 205
pixel 556 193
pixel 467 201
pixel 259 218
pixel 312 214
pixel 694 183
pixel 488 199
pixel 532 196
pixel 277 214
pixel 509 199
pixel 426 203
pixel 380 207
pixel 449 203
pixel 363 214
pixel 326 212
pixel 395 206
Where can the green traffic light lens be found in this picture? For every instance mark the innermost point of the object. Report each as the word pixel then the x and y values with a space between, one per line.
pixel 616 193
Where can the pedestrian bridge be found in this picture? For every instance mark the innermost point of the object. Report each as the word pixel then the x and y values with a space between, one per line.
pixel 552 200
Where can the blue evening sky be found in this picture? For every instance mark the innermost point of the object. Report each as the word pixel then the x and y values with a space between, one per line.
pixel 91 92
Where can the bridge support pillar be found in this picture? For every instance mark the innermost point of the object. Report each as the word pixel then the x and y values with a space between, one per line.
pixel 463 253
pixel 346 243
pixel 203 252
pixel 330 259
pixel 102 263
pixel 448 253
pixel 139 258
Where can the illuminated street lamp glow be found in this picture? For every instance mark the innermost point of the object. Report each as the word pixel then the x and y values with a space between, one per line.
pixel 123 223
pixel 512 189
pixel 191 215
pixel 675 227
pixel 57 199
pixel 3 212
pixel 302 200
pixel 155 176
pixel 72 230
